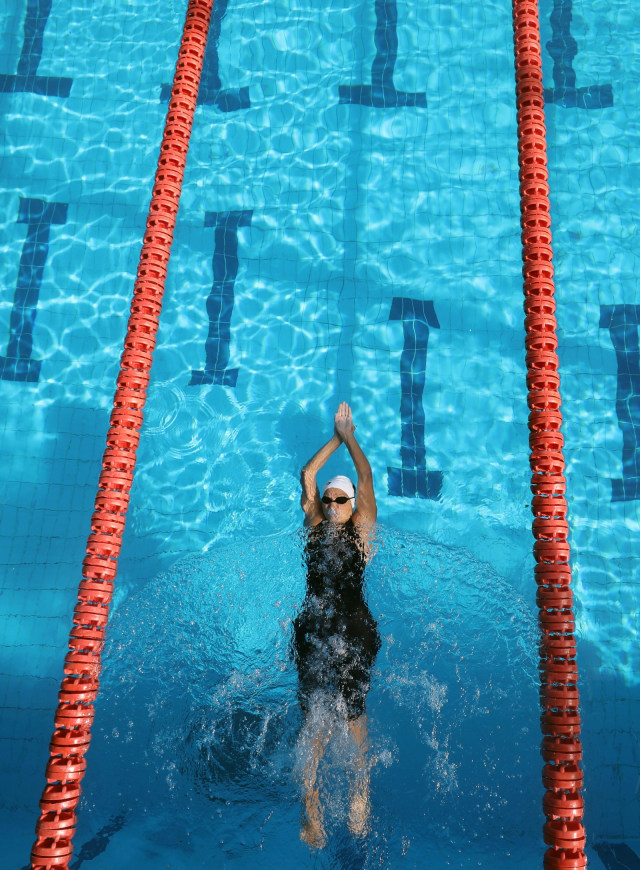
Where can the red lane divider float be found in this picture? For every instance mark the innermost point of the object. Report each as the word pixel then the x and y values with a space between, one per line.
pixel 560 717
pixel 56 825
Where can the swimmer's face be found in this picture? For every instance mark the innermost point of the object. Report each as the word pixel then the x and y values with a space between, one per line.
pixel 334 512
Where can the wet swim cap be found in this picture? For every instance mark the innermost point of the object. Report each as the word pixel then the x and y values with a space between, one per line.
pixel 343 483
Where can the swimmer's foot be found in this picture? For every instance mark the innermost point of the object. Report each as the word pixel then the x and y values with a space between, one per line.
pixel 359 808
pixel 312 831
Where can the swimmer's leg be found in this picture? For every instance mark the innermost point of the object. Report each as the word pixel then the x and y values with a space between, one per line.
pixel 312 831
pixel 359 792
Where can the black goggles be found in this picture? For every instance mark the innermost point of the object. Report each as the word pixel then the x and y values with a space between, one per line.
pixel 341 499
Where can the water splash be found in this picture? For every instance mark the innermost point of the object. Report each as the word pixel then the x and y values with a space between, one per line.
pixel 199 712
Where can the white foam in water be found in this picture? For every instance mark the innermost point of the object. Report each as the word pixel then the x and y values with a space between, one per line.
pixel 200 718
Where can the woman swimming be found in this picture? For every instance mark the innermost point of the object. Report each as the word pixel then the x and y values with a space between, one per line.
pixel 335 635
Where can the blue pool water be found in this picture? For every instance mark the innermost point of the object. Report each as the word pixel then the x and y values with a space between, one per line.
pixel 348 230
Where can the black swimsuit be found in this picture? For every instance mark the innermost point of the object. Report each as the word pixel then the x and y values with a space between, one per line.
pixel 335 635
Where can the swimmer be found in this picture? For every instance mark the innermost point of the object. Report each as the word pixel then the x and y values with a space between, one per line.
pixel 336 638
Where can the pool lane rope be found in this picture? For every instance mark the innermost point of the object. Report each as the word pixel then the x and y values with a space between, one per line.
pixel 65 769
pixel 562 776
pixel 561 747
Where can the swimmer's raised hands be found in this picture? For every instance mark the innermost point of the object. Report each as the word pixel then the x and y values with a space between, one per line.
pixel 343 422
pixel 366 510
pixel 343 433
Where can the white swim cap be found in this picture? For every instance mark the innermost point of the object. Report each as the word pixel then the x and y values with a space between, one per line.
pixel 343 483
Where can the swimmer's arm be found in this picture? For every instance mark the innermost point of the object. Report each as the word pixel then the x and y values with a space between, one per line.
pixel 310 500
pixel 366 511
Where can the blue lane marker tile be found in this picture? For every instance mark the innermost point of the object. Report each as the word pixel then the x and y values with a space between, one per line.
pixel 563 48
pixel 617 856
pixel 18 365
pixel 413 479
pixel 27 80
pixel 211 92
pixel 220 301
pixel 381 93
pixel 622 322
